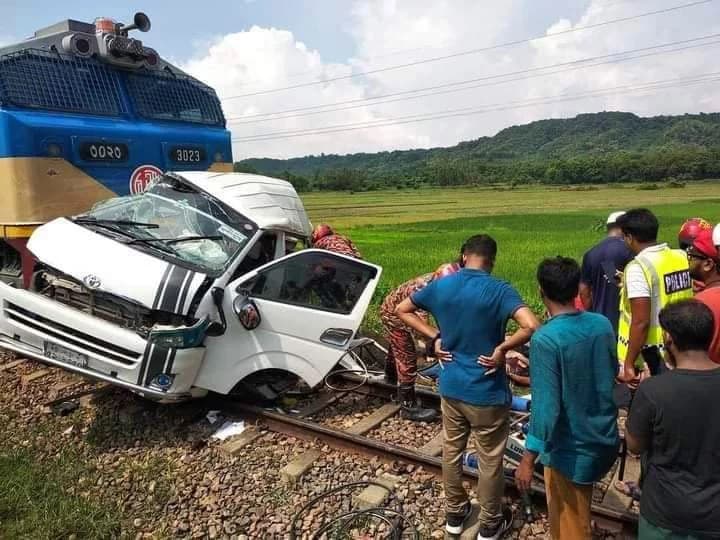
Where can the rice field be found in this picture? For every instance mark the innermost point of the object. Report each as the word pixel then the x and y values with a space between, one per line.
pixel 350 210
pixel 528 225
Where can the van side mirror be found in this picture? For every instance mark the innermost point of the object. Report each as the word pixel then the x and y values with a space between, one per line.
pixel 247 312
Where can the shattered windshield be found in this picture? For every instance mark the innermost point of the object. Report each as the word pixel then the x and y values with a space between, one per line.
pixel 175 220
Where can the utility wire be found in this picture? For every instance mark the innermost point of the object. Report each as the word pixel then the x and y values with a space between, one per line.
pixel 468 111
pixel 472 51
pixel 398 52
pixel 448 88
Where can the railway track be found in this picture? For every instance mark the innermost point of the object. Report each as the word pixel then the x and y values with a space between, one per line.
pixel 310 420
pixel 315 416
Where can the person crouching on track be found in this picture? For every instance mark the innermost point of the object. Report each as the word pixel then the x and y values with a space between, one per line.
pixel 401 363
pixel 472 309
pixel 323 237
pixel 573 423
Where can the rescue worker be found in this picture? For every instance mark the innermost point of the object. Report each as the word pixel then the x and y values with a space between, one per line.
pixel 686 236
pixel 323 237
pixel 656 277
pixel 401 363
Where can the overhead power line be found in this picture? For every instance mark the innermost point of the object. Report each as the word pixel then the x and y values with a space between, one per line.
pixel 472 51
pixel 490 80
pixel 470 111
pixel 397 52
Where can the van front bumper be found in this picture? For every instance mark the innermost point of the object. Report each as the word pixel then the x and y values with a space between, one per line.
pixel 36 354
pixel 36 326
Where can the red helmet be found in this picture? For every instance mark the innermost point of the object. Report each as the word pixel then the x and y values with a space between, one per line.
pixel 446 269
pixel 690 229
pixel 321 231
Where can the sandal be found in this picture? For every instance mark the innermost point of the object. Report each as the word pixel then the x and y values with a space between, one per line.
pixel 630 489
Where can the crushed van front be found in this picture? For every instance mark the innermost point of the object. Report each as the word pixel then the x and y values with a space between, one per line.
pixel 37 327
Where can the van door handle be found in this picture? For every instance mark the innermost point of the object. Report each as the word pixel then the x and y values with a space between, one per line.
pixel 338 337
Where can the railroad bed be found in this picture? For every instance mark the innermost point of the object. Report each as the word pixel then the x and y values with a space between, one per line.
pixel 251 485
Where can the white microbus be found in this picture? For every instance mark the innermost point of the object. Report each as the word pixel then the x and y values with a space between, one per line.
pixel 193 285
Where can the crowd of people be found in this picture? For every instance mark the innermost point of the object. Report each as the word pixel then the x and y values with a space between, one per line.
pixel 635 327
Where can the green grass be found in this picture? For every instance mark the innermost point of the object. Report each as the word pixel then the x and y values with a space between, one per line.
pixel 35 502
pixel 393 207
pixel 405 250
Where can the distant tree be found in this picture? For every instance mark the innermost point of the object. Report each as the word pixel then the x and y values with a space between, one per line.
pixel 241 167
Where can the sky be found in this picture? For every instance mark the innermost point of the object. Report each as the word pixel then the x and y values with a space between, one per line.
pixel 300 77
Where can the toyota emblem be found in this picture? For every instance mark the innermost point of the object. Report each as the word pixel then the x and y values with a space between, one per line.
pixel 91 281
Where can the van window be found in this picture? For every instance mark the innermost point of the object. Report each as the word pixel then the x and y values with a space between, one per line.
pixel 322 281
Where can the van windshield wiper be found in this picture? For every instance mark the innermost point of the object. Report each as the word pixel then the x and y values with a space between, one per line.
pixel 176 240
pixel 147 241
pixel 126 222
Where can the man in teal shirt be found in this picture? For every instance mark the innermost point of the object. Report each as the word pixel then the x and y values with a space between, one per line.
pixel 573 425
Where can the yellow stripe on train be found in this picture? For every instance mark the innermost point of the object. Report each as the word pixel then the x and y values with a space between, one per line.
pixel 38 189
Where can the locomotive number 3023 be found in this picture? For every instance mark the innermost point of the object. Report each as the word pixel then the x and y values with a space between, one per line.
pixel 187 155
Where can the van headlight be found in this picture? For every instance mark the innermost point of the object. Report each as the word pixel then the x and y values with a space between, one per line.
pixel 180 338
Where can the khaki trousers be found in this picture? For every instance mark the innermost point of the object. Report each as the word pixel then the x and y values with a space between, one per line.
pixel 489 428
pixel 568 507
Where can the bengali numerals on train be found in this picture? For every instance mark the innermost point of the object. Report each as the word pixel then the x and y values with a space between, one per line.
pixel 103 151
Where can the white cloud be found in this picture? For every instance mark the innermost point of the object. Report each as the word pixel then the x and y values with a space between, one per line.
pixel 389 32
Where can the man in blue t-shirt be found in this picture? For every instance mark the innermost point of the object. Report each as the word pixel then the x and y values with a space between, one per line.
pixel 599 289
pixel 472 310
pixel 573 424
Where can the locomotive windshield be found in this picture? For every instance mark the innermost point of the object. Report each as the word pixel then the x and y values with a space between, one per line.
pixel 174 220
pixel 37 79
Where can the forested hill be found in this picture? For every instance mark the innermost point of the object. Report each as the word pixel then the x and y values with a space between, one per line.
pixel 599 147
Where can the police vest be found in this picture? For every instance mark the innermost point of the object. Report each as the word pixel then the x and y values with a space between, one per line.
pixel 668 274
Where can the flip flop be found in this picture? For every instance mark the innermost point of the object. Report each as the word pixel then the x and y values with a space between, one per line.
pixel 629 488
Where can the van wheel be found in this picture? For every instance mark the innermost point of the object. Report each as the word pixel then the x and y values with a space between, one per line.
pixel 264 387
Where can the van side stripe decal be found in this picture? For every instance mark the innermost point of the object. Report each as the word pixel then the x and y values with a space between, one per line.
pixel 161 287
pixel 143 365
pixel 172 290
pixel 185 290
pixel 157 361
pixel 170 361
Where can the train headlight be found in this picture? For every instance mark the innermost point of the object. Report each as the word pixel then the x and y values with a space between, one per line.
pixel 218 157
pixel 54 150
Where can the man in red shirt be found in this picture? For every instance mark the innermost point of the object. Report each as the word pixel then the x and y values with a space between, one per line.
pixel 323 237
pixel 704 261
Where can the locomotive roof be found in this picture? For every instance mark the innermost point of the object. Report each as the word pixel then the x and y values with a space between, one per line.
pixel 270 202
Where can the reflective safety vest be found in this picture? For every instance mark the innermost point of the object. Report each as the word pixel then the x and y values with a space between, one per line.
pixel 668 274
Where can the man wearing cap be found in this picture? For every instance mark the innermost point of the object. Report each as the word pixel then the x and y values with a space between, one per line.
pixel 656 277
pixel 689 231
pixel 599 289
pixel 704 260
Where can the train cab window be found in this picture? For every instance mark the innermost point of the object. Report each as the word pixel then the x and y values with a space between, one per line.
pixel 37 79
pixel 316 280
pixel 162 96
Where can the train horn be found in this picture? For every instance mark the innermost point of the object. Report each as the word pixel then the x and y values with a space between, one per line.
pixel 140 22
